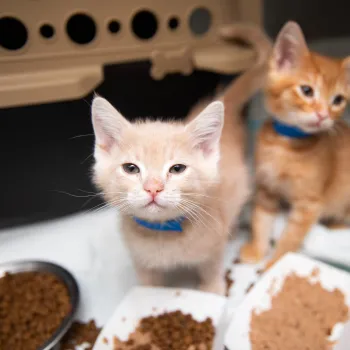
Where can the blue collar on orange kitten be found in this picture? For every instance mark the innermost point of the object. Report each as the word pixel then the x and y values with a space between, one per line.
pixel 170 225
pixel 289 131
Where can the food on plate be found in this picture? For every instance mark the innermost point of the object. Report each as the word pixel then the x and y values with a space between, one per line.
pixel 170 330
pixel 302 316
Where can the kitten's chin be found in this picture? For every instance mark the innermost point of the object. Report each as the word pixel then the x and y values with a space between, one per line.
pixel 156 213
pixel 314 129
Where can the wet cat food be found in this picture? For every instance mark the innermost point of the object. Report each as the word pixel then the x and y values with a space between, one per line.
pixel 170 331
pixel 302 316
pixel 32 307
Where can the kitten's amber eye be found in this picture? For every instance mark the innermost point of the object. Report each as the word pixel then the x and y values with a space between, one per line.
pixel 131 168
pixel 307 90
pixel 338 100
pixel 177 169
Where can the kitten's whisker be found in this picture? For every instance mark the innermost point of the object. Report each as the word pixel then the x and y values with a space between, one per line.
pixel 185 213
pixel 201 215
pixel 79 136
pixel 109 204
pixel 90 155
pixel 205 212
pixel 199 206
pixel 75 195
pixel 193 215
pixel 99 207
pixel 89 192
pixel 87 202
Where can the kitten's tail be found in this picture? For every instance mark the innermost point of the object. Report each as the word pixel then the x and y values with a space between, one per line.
pixel 247 84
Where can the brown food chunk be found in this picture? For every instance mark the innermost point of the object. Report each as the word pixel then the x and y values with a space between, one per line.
pixel 81 333
pixel 272 242
pixel 260 272
pixel 229 281
pixel 169 331
pixel 250 288
pixel 301 317
pixel 32 307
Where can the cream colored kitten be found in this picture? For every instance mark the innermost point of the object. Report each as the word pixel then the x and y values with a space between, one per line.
pixel 192 172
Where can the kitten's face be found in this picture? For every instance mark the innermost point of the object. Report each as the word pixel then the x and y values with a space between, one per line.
pixel 155 171
pixel 305 89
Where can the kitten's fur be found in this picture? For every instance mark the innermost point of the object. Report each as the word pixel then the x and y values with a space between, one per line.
pixel 209 193
pixel 313 173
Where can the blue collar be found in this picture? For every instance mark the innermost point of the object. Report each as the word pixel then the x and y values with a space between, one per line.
pixel 288 130
pixel 170 225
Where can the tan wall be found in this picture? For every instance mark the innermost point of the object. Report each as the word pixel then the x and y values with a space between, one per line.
pixel 58 68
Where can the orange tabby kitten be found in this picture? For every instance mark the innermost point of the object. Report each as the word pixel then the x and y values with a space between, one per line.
pixel 179 187
pixel 303 153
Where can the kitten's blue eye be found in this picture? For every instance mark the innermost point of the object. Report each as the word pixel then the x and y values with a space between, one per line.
pixel 177 169
pixel 307 90
pixel 130 168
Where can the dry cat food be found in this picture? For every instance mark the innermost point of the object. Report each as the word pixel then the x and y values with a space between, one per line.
pixel 79 334
pixel 32 307
pixel 170 331
pixel 302 316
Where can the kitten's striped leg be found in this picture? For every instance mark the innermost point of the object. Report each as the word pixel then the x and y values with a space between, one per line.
pixel 264 213
pixel 304 214
pixel 336 224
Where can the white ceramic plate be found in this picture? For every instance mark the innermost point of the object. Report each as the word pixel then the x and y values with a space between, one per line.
pixel 142 302
pixel 259 298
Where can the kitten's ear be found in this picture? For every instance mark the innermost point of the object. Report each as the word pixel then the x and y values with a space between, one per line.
pixel 289 48
pixel 346 67
pixel 206 128
pixel 108 123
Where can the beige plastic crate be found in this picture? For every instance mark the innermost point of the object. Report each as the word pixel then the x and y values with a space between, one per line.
pixel 56 50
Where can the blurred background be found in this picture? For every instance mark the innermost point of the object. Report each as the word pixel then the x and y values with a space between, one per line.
pixel 45 149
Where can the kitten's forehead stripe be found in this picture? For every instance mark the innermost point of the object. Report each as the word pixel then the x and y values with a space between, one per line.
pixel 328 70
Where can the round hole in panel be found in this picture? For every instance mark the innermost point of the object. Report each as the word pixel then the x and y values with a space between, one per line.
pixel 13 33
pixel 200 21
pixel 47 31
pixel 81 28
pixel 145 24
pixel 173 23
pixel 114 26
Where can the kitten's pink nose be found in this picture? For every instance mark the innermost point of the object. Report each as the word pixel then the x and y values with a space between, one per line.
pixel 322 116
pixel 153 187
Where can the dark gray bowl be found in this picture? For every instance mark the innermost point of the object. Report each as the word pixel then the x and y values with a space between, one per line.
pixel 65 277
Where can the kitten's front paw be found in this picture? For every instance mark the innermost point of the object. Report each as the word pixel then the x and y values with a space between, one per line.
pixel 250 254
pixel 215 287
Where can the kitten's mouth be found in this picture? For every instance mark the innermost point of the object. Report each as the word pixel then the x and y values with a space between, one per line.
pixel 314 124
pixel 153 203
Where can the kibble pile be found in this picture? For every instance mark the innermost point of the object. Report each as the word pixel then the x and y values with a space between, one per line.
pixel 32 307
pixel 170 331
pixel 79 334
